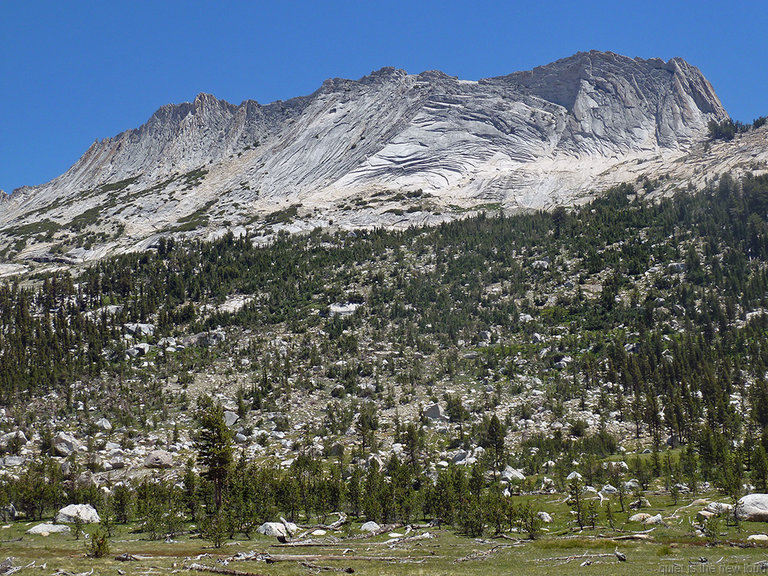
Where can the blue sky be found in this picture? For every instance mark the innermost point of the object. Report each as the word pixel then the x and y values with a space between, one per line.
pixel 75 71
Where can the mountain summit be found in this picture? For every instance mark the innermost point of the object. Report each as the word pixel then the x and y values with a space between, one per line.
pixel 389 149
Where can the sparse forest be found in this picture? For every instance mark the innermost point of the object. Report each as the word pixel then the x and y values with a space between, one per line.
pixel 636 326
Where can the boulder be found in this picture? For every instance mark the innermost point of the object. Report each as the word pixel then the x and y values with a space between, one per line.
pixel 753 508
pixel 546 518
pixel 140 329
pixel 73 513
pixel 103 424
pixel 158 459
pixel 704 515
pixel 117 463
pixel 12 461
pixel 618 467
pixel 318 532
pixel 46 529
pixel 608 489
pixel 274 529
pixel 757 538
pixel 434 412
pixel 370 526
pixel 683 488
pixel 640 503
pixel 64 444
pixel 512 475
pixel 213 338
pixel 653 520
pixel 631 485
pixel 10 439
pixel 230 417
pixel 574 476
pixel 719 508
pixel 143 348
pixel 639 517
pixel 460 456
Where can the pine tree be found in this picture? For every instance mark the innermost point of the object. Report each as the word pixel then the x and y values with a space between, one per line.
pixel 214 446
pixel 760 466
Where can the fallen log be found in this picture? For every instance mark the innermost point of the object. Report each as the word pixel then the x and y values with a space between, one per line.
pixel 560 560
pixel 331 558
pixel 327 568
pixel 7 568
pixel 645 537
pixel 480 554
pixel 126 557
pixel 333 526
pixel 310 544
pixel 217 570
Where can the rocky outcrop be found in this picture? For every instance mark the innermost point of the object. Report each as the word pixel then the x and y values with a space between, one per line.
pixel 526 140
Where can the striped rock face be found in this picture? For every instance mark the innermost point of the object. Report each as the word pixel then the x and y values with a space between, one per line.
pixel 391 149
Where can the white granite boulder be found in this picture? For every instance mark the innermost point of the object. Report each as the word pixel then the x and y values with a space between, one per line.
pixel 103 424
pixel 46 529
pixel 370 526
pixel 544 517
pixel 274 529
pixel 753 508
pixel 74 513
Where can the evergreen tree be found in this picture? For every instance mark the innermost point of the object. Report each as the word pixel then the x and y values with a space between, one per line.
pixel 214 446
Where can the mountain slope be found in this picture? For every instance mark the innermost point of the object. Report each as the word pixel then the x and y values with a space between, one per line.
pixel 390 149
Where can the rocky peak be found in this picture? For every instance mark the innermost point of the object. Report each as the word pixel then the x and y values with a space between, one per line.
pixel 525 140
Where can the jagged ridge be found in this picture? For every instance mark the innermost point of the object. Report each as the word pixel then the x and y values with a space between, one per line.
pixel 528 139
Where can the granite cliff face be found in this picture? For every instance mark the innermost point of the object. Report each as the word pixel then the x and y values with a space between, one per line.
pixel 389 149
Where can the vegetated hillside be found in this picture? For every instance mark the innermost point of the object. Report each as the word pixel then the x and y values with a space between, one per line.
pixel 622 319
pixel 422 375
pixel 352 154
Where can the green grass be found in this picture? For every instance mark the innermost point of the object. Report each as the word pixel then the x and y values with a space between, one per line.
pixel 448 553
pixel 561 549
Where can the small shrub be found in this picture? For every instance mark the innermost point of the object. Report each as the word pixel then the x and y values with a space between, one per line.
pixel 98 545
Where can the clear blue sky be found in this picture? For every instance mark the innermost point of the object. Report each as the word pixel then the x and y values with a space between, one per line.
pixel 75 71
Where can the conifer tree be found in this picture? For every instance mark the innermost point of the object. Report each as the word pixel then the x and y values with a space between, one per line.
pixel 214 446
